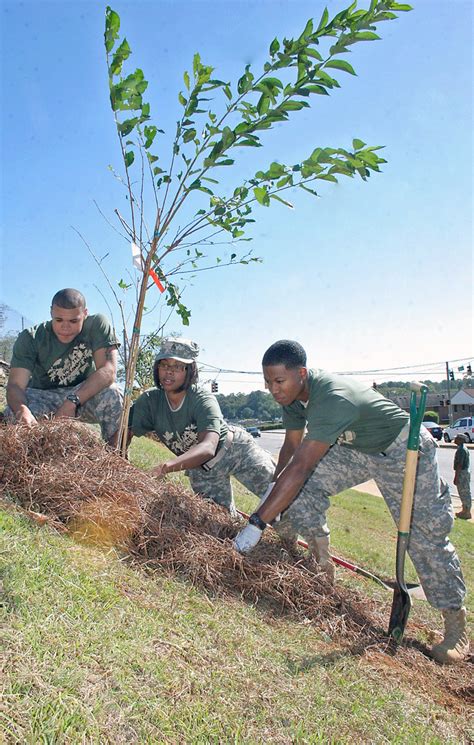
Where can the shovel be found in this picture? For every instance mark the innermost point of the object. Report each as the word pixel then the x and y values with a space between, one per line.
pixel 401 602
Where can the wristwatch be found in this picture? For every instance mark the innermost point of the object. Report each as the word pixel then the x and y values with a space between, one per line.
pixel 74 398
pixel 257 521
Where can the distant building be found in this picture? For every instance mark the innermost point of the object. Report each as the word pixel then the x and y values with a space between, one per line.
pixel 463 402
pixel 434 402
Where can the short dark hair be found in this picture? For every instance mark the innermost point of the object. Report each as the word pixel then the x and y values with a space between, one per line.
pixel 69 299
pixel 192 376
pixel 285 352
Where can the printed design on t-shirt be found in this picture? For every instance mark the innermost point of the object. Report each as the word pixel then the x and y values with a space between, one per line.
pixel 181 442
pixel 346 438
pixel 66 370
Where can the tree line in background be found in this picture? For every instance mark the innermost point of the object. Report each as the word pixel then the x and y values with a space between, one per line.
pixel 7 337
pixel 260 405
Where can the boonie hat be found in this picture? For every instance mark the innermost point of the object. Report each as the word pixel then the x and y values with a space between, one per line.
pixel 183 350
pixel 461 438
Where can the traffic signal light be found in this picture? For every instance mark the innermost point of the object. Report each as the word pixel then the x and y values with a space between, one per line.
pixel 469 370
pixel 214 386
pixel 451 375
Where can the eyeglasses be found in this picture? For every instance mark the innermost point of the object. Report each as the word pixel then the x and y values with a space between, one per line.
pixel 171 368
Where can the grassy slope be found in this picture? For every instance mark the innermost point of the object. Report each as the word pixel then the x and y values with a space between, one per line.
pixel 99 652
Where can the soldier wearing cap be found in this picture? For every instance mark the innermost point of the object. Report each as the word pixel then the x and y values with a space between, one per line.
pixel 188 420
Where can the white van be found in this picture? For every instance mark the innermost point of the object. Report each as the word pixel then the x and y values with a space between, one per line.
pixel 464 426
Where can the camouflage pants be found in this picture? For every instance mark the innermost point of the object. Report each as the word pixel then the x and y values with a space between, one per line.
pixel 464 489
pixel 430 549
pixel 246 461
pixel 104 408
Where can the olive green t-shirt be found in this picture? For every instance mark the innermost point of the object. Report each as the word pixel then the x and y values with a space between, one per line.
pixel 57 365
pixel 345 410
pixel 178 429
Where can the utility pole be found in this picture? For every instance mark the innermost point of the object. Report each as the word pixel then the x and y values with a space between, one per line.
pixel 450 408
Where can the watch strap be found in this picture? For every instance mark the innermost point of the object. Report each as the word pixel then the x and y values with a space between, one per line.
pixel 256 520
pixel 74 398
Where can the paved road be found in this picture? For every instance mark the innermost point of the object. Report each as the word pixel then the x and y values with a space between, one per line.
pixel 272 441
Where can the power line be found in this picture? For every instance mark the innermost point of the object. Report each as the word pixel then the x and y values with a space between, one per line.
pixel 206 367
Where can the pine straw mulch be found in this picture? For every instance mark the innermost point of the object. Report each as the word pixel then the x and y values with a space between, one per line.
pixel 60 473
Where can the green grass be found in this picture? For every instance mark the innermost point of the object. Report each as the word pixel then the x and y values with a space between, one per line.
pixel 97 651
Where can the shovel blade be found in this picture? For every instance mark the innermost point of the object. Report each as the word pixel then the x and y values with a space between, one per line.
pixel 401 605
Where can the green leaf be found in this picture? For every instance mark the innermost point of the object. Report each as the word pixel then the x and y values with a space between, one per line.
pixel 228 137
pixel 189 135
pixel 323 21
pixel 314 88
pixel 274 46
pixel 283 201
pixel 196 63
pixel 261 195
pixel 307 31
pixel 112 28
pixel 400 6
pixel 276 170
pixel 122 53
pixel 341 64
pixel 293 105
pixel 357 144
pixel 186 80
pixel 126 126
pixel 263 104
pixel 313 53
pixel 183 101
pixel 287 179
pixel 123 285
pixel 327 177
pixel 366 36
pixel 311 191
pixel 150 134
pixel 129 158
pixel 269 83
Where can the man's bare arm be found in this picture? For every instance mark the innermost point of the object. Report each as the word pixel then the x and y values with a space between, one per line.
pixel 292 441
pixel 105 374
pixel 18 380
pixel 290 482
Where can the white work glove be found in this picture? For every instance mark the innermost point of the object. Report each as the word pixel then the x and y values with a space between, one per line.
pixel 247 539
pixel 265 496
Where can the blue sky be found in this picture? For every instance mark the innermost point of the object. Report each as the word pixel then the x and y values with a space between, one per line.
pixel 369 276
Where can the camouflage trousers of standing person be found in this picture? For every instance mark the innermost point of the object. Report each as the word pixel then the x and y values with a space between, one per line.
pixel 245 460
pixel 104 408
pixel 430 549
pixel 464 489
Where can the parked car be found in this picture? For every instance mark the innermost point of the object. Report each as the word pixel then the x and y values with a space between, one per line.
pixel 254 431
pixel 434 429
pixel 464 426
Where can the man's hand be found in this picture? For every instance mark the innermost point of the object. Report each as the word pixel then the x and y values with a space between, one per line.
pixel 247 539
pixel 24 416
pixel 67 410
pixel 161 470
